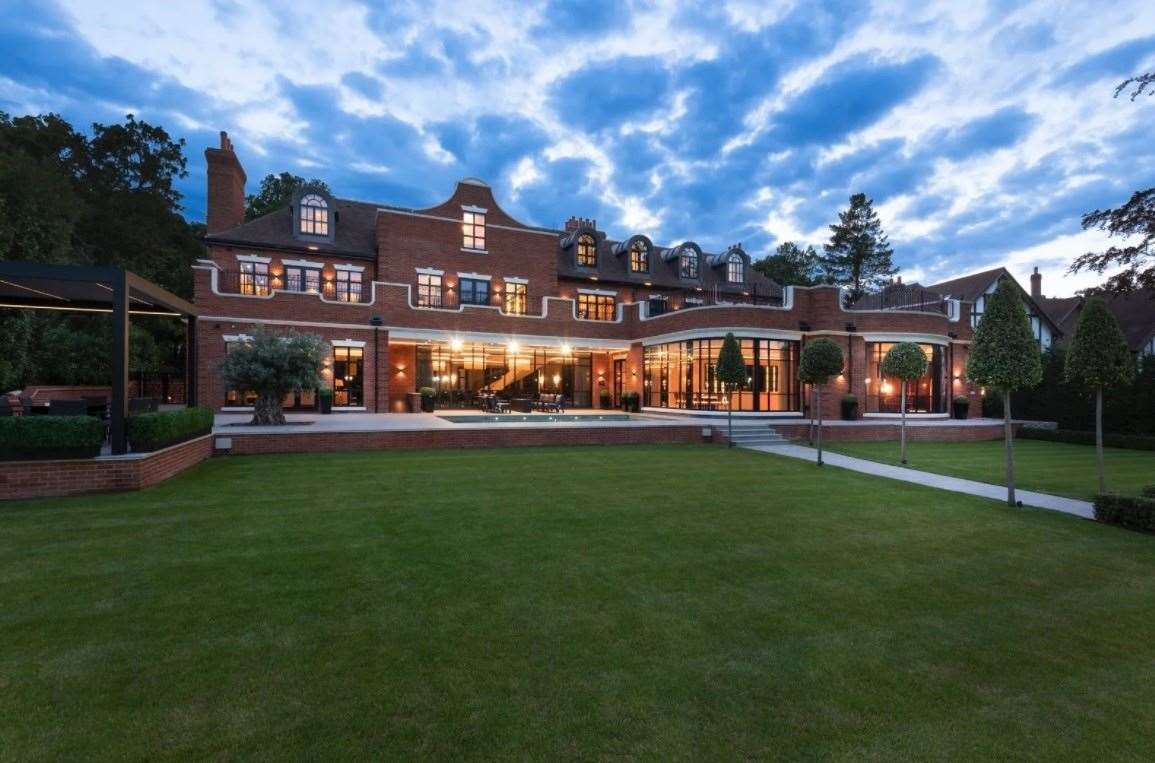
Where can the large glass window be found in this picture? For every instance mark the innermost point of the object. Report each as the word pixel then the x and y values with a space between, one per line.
pixel 348 285
pixel 681 375
pixel 639 257
pixel 474 291
pixel 473 230
pixel 428 290
pixel 314 215
pixel 587 251
pixel 688 264
pixel 303 279
pixel 254 278
pixel 347 376
pixel 595 307
pixel 923 395
pixel 464 376
pixel 735 272
pixel 515 298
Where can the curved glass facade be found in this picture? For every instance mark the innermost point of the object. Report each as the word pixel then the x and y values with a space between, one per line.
pixel 925 395
pixel 680 375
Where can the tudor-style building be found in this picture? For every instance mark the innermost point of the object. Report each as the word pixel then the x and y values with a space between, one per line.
pixel 463 298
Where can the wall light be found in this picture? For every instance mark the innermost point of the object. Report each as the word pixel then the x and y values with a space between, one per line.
pixel 456 344
pixel 566 349
pixel 513 347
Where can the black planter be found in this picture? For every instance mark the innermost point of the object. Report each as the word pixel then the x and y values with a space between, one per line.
pixel 326 403
pixel 961 410
pixel 428 404
pixel 849 411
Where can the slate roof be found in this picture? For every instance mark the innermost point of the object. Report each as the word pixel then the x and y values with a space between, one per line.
pixel 355 229
pixel 971 287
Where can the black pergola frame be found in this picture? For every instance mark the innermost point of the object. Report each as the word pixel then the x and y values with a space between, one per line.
pixel 111 290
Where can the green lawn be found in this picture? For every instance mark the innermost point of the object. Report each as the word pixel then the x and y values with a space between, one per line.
pixel 656 602
pixel 1049 467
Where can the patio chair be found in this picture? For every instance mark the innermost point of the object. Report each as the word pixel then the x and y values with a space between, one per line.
pixel 67 408
pixel 551 403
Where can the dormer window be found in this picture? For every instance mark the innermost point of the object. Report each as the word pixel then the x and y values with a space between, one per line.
pixel 639 257
pixel 587 251
pixel 688 264
pixel 473 230
pixel 735 270
pixel 314 215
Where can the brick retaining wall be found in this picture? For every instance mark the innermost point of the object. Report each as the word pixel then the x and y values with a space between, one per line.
pixel 42 479
pixel 874 432
pixel 308 442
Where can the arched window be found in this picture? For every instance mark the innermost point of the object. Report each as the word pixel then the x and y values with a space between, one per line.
pixel 639 257
pixel 314 215
pixel 734 269
pixel 688 263
pixel 587 251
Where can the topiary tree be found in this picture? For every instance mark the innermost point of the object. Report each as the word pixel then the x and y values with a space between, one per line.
pixel 273 365
pixel 731 373
pixel 1005 355
pixel 820 360
pixel 1099 357
pixel 905 361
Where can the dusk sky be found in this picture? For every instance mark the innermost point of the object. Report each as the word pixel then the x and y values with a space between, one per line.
pixel 983 130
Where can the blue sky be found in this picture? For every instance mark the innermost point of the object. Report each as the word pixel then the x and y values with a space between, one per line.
pixel 983 130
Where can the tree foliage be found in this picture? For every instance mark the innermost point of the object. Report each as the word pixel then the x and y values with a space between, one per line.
pixel 273 365
pixel 905 360
pixel 791 265
pixel 1098 355
pixel 1139 84
pixel 820 360
pixel 731 373
pixel 1134 222
pixel 858 254
pixel 277 191
pixel 105 198
pixel 1004 352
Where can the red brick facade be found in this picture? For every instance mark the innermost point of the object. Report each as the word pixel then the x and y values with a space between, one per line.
pixel 405 242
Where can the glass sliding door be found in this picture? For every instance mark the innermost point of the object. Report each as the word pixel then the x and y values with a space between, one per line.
pixel 348 369
pixel 681 375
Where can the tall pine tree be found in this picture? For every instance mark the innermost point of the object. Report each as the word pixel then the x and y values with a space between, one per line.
pixel 858 254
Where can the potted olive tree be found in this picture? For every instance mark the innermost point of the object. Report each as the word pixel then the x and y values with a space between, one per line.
pixel 273 365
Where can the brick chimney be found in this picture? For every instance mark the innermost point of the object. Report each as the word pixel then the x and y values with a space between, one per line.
pixel 1036 284
pixel 574 223
pixel 226 192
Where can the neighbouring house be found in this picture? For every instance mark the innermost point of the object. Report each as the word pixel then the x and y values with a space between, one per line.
pixel 976 287
pixel 1135 313
pixel 463 298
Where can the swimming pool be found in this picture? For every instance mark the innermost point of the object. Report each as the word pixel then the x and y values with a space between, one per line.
pixel 521 418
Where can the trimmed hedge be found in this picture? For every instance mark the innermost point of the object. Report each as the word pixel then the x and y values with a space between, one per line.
pixel 48 437
pixel 1133 513
pixel 1076 437
pixel 153 431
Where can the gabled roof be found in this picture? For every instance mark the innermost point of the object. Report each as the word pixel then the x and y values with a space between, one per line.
pixel 1136 315
pixel 970 287
pixel 355 227
pixel 1062 310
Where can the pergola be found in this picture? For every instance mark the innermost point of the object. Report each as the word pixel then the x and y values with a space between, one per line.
pixel 77 288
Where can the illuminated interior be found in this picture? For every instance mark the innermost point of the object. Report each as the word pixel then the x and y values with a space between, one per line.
pixel 884 395
pixel 461 372
pixel 681 375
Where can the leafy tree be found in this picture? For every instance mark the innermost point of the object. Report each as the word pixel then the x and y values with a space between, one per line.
pixel 905 361
pixel 731 373
pixel 791 265
pixel 1139 84
pixel 273 365
pixel 1005 355
pixel 277 191
pixel 858 254
pixel 1099 357
pixel 820 360
pixel 1135 223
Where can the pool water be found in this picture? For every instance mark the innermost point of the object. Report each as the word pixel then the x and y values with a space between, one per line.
pixel 521 418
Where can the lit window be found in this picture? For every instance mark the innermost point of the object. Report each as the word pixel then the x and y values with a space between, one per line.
pixel 348 286
pixel 474 291
pixel 254 278
pixel 595 307
pixel 515 298
pixel 587 251
pixel 688 263
pixel 734 269
pixel 428 290
pixel 314 215
pixel 302 279
pixel 639 257
pixel 473 230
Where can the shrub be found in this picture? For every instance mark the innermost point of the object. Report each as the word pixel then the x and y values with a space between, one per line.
pixel 1133 513
pixel 1076 437
pixel 153 431
pixel 1148 491
pixel 631 402
pixel 41 437
pixel 962 400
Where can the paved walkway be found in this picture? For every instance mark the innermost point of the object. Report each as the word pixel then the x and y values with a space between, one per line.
pixel 1073 506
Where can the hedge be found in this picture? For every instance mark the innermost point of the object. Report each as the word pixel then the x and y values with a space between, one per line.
pixel 1133 513
pixel 1076 437
pixel 153 431
pixel 47 437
